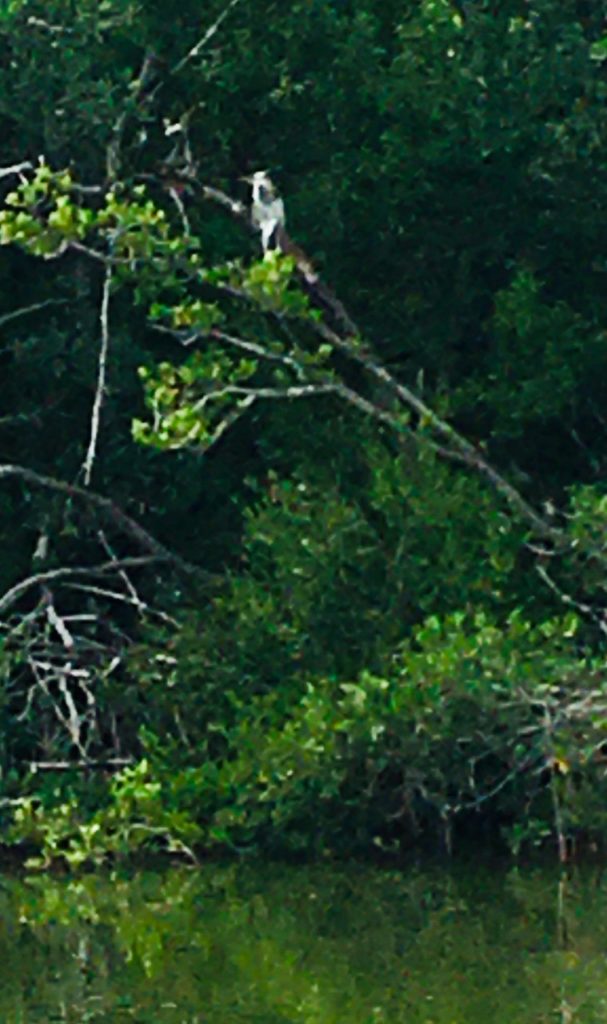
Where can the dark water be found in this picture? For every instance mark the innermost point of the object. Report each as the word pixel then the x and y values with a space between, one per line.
pixel 316 945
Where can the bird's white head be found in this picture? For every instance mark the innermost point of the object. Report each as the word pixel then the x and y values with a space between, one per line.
pixel 258 178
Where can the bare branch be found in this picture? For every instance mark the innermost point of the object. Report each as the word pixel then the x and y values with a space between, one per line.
pixel 206 38
pixel 227 422
pixel 71 724
pixel 101 376
pixel 40 23
pixel 6 318
pixel 259 350
pixel 233 206
pixel 112 512
pixel 124 576
pixel 57 622
pixel 461 449
pixel 297 391
pixel 582 607
pixel 5 172
pixel 68 572
pixel 141 606
pixel 174 194
pixel 187 338
pixel 110 764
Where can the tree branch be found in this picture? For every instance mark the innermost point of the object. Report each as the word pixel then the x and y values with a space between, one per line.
pixel 6 318
pixel 110 764
pixel 461 449
pixel 110 511
pixel 208 35
pixel 68 572
pixel 26 165
pixel 101 377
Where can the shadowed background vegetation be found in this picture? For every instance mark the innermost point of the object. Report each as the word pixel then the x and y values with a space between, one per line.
pixel 370 645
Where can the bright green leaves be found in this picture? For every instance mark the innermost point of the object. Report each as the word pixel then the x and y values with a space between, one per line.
pixel 598 50
pixel 271 283
pixel 48 212
pixel 42 216
pixel 466 718
pixel 199 315
pixel 135 816
pixel 193 404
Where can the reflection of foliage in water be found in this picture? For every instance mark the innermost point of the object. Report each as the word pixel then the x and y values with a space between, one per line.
pixel 317 945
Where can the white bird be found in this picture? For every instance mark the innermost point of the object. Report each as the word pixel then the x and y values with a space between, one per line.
pixel 267 211
pixel 268 217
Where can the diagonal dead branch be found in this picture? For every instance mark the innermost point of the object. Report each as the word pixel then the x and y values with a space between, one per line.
pixel 174 194
pixel 187 338
pixel 206 38
pixel 460 448
pixel 114 514
pixel 582 607
pixel 6 318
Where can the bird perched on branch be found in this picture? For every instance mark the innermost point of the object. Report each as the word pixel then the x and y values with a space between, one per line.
pixel 267 211
pixel 268 216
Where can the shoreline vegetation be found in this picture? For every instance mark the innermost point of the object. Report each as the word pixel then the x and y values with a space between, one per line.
pixel 303 556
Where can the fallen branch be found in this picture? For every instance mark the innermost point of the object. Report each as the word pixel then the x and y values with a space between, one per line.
pixel 206 38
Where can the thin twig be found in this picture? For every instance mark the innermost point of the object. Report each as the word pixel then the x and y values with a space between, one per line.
pixel 68 572
pixel 124 576
pixel 585 609
pixel 297 391
pixel 228 421
pixel 137 86
pixel 187 338
pixel 111 763
pixel 174 194
pixel 114 595
pixel 206 38
pixel 14 314
pixel 101 377
pixel 258 350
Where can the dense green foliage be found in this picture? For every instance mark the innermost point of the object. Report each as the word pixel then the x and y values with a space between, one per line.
pixel 327 586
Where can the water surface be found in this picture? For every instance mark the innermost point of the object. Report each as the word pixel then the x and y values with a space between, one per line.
pixel 305 945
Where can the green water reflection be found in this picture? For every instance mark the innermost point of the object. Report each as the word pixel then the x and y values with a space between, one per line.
pixel 320 945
